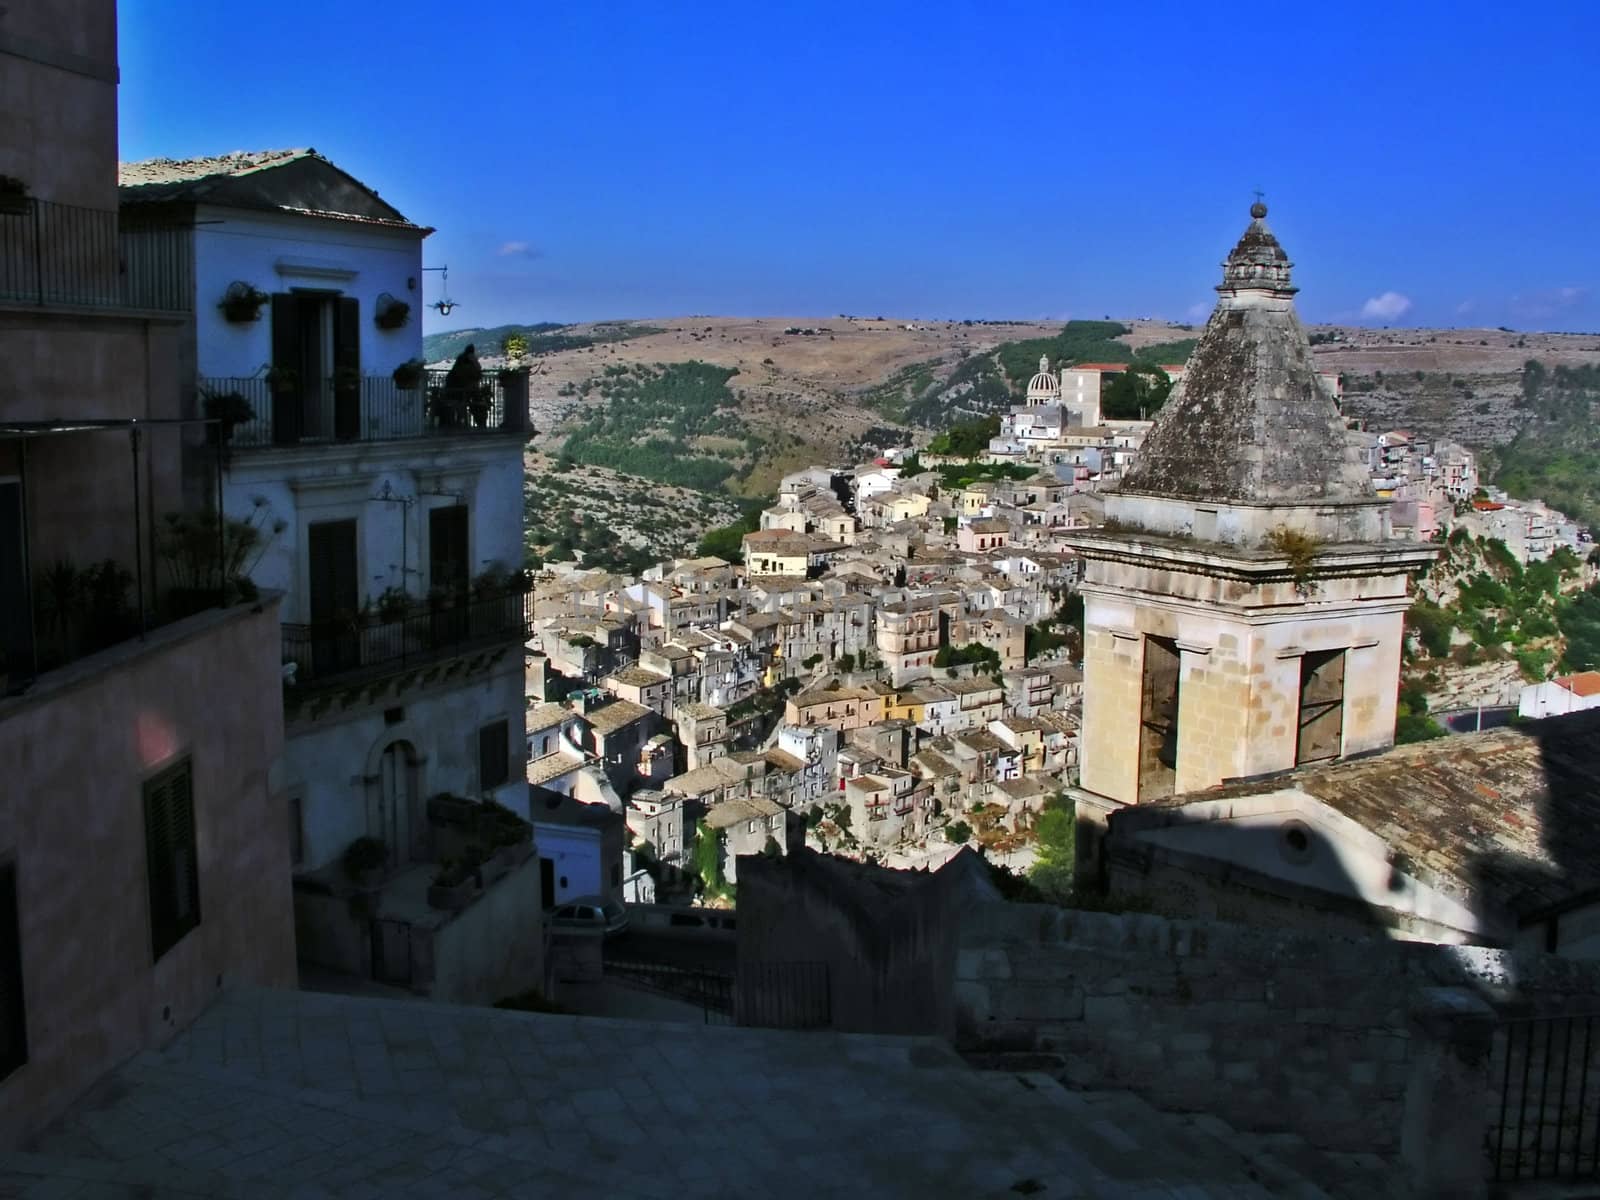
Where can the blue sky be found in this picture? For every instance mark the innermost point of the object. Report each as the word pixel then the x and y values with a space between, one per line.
pixel 1425 163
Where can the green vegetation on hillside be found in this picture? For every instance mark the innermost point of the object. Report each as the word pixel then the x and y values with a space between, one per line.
pixel 972 654
pixel 675 423
pixel 967 439
pixel 1412 722
pixel 727 541
pixel 619 523
pixel 1056 828
pixel 1136 394
pixel 960 475
pixel 1505 609
pixel 1579 618
pixel 547 337
pixel 984 384
pixel 1556 457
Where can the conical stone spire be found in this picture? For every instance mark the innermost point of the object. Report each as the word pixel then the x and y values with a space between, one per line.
pixel 1250 421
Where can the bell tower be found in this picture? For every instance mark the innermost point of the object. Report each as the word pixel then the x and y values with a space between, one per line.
pixel 1244 604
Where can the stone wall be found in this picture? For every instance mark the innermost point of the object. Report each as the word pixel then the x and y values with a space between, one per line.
pixel 77 750
pixel 1268 1030
pixel 888 939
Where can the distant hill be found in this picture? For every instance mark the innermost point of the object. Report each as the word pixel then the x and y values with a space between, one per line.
pixel 1555 456
pixel 547 337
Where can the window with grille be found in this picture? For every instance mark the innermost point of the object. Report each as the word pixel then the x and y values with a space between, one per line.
pixel 13 1026
pixel 494 755
pixel 170 856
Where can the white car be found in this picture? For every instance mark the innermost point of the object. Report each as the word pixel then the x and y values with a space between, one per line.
pixel 590 912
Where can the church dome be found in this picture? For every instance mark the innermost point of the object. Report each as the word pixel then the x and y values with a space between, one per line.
pixel 1044 386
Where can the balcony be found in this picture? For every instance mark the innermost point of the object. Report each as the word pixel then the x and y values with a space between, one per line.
pixel 59 255
pixel 84 567
pixel 281 411
pixel 339 652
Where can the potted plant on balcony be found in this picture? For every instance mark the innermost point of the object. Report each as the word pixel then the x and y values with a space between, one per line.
pixel 394 605
pixel 453 811
pixel 282 379
pixel 510 838
pixel 453 885
pixel 390 313
pixel 13 196
pixel 229 410
pixel 242 302
pixel 410 375
pixel 364 860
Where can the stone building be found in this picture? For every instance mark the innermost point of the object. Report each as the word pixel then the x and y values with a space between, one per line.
pixel 1243 608
pixel 144 833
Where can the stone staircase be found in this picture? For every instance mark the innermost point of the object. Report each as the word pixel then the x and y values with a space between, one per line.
pixel 284 1094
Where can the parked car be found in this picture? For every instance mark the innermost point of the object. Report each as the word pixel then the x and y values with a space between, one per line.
pixel 590 912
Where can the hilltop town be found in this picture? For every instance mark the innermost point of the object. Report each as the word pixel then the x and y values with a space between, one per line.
pixel 1107 758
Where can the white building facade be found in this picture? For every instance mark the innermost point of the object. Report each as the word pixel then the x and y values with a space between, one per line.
pixel 386 502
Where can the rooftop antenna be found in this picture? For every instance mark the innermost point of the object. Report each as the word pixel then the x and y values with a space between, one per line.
pixel 443 304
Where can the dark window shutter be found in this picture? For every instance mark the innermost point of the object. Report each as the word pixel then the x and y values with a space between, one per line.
pixel 347 368
pixel 287 423
pixel 13 1022
pixel 170 857
pixel 494 754
pixel 333 594
pixel 448 552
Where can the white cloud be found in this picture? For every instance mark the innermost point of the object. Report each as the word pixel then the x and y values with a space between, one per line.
pixel 1197 312
pixel 517 250
pixel 1466 308
pixel 1386 307
pixel 1551 302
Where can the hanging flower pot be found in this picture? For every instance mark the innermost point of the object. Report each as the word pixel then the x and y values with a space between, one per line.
pixel 391 313
pixel 409 375
pixel 242 303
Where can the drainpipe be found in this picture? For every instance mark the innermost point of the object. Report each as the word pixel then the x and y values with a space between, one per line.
pixel 138 536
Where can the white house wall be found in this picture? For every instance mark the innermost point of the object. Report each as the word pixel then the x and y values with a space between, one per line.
pixel 303 486
pixel 329 761
pixel 277 253
pixel 574 852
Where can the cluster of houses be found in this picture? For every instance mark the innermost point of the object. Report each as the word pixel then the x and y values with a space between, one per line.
pixel 888 648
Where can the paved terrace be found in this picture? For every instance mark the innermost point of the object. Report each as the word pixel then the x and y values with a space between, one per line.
pixel 298 1094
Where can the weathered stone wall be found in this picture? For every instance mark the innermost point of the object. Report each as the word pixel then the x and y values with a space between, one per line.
pixel 888 939
pixel 1241 644
pixel 1267 1030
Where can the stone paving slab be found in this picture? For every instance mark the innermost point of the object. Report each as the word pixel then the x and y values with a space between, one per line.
pixel 315 1096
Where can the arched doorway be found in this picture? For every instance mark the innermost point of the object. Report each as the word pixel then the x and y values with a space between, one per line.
pixel 394 804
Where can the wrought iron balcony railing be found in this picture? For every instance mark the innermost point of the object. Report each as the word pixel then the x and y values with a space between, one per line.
pixel 330 650
pixel 280 410
pixel 61 254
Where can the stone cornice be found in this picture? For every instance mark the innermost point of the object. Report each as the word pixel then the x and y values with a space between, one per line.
pixel 1249 614
pixel 1250 564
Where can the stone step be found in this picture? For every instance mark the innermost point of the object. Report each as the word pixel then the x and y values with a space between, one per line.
pixel 30 1174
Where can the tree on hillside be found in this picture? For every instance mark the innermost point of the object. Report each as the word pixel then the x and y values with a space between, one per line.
pixel 1139 392
pixel 967 439
pixel 1057 831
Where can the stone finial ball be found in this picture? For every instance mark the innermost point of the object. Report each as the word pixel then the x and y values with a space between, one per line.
pixel 1258 210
